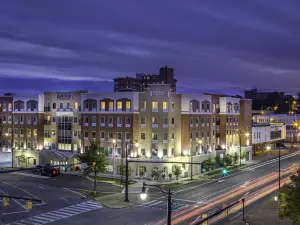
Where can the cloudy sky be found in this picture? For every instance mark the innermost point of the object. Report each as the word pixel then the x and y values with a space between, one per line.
pixel 218 46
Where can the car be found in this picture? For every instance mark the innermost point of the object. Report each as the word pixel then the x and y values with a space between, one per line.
pixel 37 169
pixel 50 171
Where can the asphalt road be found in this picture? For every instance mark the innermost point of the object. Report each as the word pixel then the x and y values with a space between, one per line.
pixel 60 196
pixel 63 205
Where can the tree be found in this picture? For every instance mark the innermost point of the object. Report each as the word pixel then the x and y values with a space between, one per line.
pixel 95 158
pixel 218 160
pixel 177 171
pixel 235 158
pixel 209 162
pixel 228 159
pixel 290 200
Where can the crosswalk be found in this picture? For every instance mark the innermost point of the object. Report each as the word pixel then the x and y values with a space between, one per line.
pixel 163 204
pixel 59 214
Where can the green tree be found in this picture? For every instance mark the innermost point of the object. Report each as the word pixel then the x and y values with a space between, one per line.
pixel 209 162
pixel 177 171
pixel 95 158
pixel 218 160
pixel 235 158
pixel 228 159
pixel 290 200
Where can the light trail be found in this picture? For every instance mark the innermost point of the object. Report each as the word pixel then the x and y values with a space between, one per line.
pixel 197 209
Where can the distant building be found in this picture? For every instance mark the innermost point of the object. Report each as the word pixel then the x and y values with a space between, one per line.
pixel 142 81
pixel 256 95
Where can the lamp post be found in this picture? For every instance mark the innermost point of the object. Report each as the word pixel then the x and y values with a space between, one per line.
pixel 240 139
pixel 114 157
pixel 167 194
pixel 127 172
pixel 279 167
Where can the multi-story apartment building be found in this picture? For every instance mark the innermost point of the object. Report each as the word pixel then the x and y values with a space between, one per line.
pixel 141 81
pixel 158 125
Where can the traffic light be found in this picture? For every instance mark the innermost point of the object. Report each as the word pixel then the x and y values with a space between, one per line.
pixel 5 201
pixel 28 204
pixel 224 171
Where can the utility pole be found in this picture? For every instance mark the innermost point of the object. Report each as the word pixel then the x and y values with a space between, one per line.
pixel 279 168
pixel 169 211
pixel 126 174
pixel 191 166
pixel 240 139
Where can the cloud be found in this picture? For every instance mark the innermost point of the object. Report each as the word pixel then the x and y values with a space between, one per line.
pixel 213 45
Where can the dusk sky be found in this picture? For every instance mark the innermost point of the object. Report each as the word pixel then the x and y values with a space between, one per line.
pixel 217 46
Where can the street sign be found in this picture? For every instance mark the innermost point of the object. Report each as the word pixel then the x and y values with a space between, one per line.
pixel 28 204
pixel 5 201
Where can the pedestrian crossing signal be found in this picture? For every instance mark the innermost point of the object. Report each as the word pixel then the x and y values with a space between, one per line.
pixel 5 201
pixel 28 204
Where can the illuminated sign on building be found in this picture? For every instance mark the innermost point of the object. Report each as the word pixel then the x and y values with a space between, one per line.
pixel 63 96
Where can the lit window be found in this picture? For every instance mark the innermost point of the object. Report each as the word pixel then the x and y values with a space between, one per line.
pixel 102 105
pixel 9 107
pixel 154 105
pixel 34 132
pixel 119 105
pixel 128 106
pixel 76 105
pixel 173 105
pixel 111 105
pixel 165 106
pixel 154 136
pixel 154 120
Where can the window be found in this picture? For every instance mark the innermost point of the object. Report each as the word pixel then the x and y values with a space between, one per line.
pixel 202 106
pixel 128 120
pixel 197 134
pixel 197 121
pixel 76 105
pixel 143 106
pixel 127 135
pixel 165 152
pixel 173 105
pixel 165 106
pixel 143 151
pixel 53 132
pixel 128 105
pixel 154 136
pixel 173 121
pixel 119 120
pixel 21 131
pixel 165 136
pixel 53 119
pixel 9 119
pixel 208 106
pixel 119 135
pixel 94 105
pixel 143 136
pixel 102 134
pixel 110 135
pixel 61 105
pixel 68 106
pixel 102 119
pixel 86 134
pixel 75 133
pixel 207 134
pixel 34 132
pixel 191 135
pixel 86 119
pixel 119 105
pixel 166 120
pixel 9 106
pixel 154 120
pixel 191 121
pixel 110 120
pixel 154 106
pixel 28 145
pixel 29 132
pixel 21 119
pixel 111 106
pixel 102 106
pixel 16 131
pixel 75 119
pixel 172 136
pixel 94 120
pixel 172 151
pixel 94 134
pixel 143 120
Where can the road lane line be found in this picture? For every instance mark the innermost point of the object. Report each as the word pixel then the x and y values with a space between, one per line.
pixel 82 195
pixel 30 175
pixel 184 200
pixel 15 212
pixel 64 199
pixel 14 200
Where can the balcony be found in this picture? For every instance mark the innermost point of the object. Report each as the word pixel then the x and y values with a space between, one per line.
pixel 102 124
pixel 143 125
pixel 154 141
pixel 191 125
pixel 119 125
pixel 143 110
pixel 110 124
pixel 154 109
pixel 128 125
pixel 165 110
pixel 165 141
pixel 94 124
pixel 86 124
pixel 165 125
pixel 207 124
pixel 154 125
pixel 46 109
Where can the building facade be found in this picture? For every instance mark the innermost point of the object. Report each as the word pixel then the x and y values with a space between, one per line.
pixel 157 125
pixel 141 82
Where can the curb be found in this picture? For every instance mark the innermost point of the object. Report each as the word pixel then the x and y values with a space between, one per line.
pixel 98 181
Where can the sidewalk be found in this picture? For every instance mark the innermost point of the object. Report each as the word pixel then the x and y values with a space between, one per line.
pixel 116 201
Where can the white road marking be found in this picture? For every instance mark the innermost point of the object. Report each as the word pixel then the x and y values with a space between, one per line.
pixel 64 199
pixel 30 175
pixel 15 212
pixel 14 200
pixel 82 195
pixel 184 200
pixel 41 187
pixel 59 214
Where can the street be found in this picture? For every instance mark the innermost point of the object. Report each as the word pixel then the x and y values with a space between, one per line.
pixel 63 203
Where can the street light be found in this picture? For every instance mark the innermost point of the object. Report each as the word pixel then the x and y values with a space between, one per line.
pixel 126 171
pixel 247 135
pixel 167 194
pixel 114 157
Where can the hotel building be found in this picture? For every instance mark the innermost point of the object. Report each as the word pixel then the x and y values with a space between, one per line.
pixel 168 127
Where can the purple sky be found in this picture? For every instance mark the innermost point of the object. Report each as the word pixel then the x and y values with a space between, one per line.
pixel 218 46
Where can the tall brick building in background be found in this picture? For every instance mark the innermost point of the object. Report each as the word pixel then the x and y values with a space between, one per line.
pixel 168 126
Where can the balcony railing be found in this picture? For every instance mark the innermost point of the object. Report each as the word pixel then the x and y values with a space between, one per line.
pixel 47 109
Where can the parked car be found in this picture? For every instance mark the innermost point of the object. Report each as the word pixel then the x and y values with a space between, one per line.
pixel 37 169
pixel 50 171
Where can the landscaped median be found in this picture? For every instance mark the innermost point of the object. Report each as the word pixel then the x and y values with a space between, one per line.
pixel 109 180
pixel 116 201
